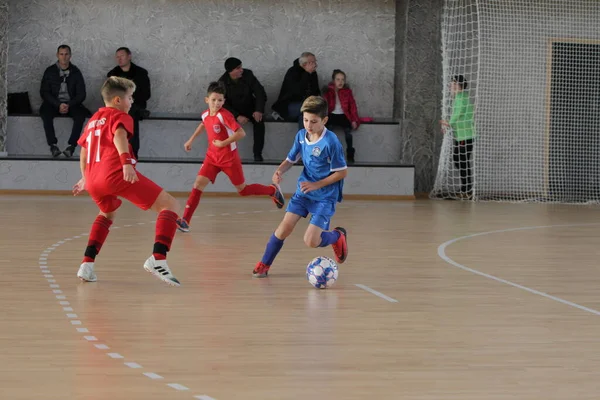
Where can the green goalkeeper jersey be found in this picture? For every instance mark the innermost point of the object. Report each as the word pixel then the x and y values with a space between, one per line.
pixel 462 117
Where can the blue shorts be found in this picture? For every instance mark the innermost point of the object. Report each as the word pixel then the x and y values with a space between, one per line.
pixel 321 210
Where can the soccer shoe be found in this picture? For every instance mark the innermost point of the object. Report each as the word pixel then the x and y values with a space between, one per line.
pixel 261 270
pixel 340 248
pixel 182 225
pixel 86 272
pixel 277 197
pixel 160 269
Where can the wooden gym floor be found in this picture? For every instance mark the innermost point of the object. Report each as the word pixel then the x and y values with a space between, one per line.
pixel 510 314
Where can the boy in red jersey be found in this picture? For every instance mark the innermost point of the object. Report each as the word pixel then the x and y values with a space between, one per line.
pixel 108 172
pixel 223 132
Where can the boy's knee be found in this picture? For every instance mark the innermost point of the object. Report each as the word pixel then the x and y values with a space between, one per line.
pixel 109 215
pixel 312 241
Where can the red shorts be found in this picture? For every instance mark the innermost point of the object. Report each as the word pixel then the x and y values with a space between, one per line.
pixel 234 171
pixel 142 193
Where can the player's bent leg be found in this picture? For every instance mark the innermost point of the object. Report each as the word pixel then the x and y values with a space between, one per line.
pixel 183 223
pixel 312 236
pixel 165 201
pixel 201 182
pixel 166 225
pixel 275 243
pixel 287 225
pixel 255 189
pixel 98 234
pixel 337 238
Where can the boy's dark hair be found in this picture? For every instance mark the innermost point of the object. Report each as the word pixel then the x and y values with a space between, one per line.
pixel 125 49
pixel 337 71
pixel 116 86
pixel 462 82
pixel 315 105
pixel 215 87
pixel 64 46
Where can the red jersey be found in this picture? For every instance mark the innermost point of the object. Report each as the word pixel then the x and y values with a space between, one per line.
pixel 220 127
pixel 103 160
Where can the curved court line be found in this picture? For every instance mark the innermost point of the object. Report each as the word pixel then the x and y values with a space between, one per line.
pixel 443 256
pixel 75 321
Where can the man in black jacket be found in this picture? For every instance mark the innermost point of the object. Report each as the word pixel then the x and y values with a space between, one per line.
pixel 245 98
pixel 300 82
pixel 63 92
pixel 139 76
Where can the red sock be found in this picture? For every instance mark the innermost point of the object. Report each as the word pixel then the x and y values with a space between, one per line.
pixel 166 225
pixel 98 235
pixel 192 203
pixel 256 189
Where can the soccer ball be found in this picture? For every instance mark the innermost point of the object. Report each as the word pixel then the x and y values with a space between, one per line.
pixel 322 272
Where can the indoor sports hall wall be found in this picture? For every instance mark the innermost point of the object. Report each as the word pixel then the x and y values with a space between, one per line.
pixel 183 44
pixel 389 48
pixel 3 60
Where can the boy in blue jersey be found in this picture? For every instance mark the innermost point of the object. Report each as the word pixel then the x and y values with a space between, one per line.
pixel 319 187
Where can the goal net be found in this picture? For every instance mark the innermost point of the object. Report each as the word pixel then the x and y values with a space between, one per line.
pixel 522 98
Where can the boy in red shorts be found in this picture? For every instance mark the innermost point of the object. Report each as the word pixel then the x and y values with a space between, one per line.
pixel 223 132
pixel 108 172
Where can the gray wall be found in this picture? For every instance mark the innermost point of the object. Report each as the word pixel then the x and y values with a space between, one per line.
pixel 184 44
pixel 418 78
pixel 3 60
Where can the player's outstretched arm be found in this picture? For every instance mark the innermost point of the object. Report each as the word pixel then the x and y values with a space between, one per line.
pixel 282 169
pixel 122 145
pixel 79 187
pixel 188 145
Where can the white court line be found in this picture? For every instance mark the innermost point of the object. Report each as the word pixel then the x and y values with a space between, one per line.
pixel 443 256
pixel 177 386
pixel 152 375
pixel 45 270
pixel 376 293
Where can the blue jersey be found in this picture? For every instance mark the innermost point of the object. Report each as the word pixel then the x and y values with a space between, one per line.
pixel 321 159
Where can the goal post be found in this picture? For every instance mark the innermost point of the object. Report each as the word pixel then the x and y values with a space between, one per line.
pixel 532 73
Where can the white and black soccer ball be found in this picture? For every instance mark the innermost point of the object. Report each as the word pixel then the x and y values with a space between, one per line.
pixel 322 272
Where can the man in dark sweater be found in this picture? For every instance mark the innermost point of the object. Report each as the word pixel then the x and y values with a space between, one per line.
pixel 300 82
pixel 63 92
pixel 139 76
pixel 245 98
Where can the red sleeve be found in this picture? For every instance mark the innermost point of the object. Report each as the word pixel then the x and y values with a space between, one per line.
pixel 123 120
pixel 330 98
pixel 83 138
pixel 353 109
pixel 230 121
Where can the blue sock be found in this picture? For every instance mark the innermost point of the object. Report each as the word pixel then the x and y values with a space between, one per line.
pixel 273 246
pixel 329 238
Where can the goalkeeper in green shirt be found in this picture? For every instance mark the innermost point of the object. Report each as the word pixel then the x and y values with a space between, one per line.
pixel 461 123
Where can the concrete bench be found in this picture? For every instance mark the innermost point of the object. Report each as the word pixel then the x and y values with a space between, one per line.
pixel 162 136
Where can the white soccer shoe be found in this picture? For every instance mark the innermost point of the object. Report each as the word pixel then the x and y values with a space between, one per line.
pixel 86 272
pixel 160 269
